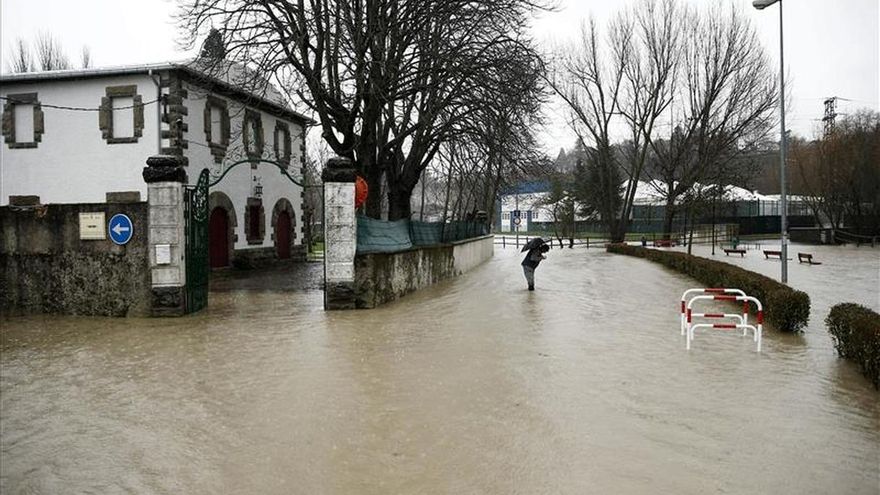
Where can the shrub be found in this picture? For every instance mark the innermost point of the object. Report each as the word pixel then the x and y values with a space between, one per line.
pixel 855 331
pixel 787 309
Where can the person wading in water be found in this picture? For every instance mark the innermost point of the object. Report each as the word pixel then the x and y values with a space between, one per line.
pixel 531 261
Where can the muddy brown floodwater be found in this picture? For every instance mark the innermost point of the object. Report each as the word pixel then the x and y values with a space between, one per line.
pixel 472 386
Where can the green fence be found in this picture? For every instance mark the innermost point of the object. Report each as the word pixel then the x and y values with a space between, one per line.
pixel 382 236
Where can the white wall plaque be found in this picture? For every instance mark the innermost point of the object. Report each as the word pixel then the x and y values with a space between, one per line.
pixel 92 226
pixel 163 254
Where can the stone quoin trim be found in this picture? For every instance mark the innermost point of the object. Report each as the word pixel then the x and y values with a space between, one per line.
pixel 9 120
pixel 254 229
pixel 173 112
pixel 282 149
pixel 217 144
pixel 252 134
pixel 105 114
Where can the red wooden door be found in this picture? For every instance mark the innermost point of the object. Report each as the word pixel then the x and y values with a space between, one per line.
pixel 282 235
pixel 218 238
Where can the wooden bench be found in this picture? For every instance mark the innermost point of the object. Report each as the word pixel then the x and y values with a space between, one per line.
pixel 768 254
pixel 807 258
pixel 664 243
pixel 741 252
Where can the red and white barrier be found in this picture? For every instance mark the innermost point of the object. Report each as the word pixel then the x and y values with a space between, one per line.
pixel 743 319
pixel 757 330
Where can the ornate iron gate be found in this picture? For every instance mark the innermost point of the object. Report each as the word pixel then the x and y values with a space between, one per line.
pixel 196 212
pixel 196 207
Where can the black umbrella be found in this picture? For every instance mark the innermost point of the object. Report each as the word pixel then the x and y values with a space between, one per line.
pixel 533 244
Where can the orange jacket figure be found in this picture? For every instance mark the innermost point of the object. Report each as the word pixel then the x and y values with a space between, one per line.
pixel 361 190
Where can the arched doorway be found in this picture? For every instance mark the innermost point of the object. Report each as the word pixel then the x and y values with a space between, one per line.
pixel 218 238
pixel 282 235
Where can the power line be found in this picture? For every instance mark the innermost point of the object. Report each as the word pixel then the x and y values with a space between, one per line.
pixel 76 109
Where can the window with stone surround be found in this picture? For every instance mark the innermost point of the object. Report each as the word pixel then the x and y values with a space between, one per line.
pixel 252 134
pixel 282 143
pixel 121 115
pixel 254 221
pixel 22 121
pixel 217 127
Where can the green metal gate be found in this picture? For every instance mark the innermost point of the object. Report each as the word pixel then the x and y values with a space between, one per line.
pixel 196 212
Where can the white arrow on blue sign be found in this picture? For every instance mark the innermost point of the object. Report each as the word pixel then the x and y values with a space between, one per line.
pixel 121 228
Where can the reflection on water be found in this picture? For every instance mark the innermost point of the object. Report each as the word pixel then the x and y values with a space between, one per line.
pixel 475 385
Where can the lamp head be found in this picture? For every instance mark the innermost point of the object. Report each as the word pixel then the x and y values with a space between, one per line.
pixel 763 4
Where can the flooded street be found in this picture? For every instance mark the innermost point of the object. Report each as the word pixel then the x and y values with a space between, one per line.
pixel 472 386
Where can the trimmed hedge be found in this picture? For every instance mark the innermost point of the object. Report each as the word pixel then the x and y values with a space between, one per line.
pixel 787 309
pixel 855 331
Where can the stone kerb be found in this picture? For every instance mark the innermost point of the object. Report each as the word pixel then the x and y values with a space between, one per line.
pixel 340 234
pixel 165 178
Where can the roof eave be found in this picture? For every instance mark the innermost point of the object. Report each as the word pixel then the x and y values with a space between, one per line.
pixel 73 74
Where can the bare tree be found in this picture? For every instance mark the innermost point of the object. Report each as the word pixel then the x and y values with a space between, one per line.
pixel 841 173
pixel 85 57
pixel 626 81
pixel 313 195
pixel 47 54
pixel 650 73
pixel 20 59
pixel 50 55
pixel 855 148
pixel 390 81
pixel 590 85
pixel 725 97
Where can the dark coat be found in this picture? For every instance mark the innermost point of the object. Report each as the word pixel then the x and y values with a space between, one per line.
pixel 533 258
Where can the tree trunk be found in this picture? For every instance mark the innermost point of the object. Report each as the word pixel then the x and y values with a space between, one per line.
pixel 668 218
pixel 691 232
pixel 374 195
pixel 616 230
pixel 399 207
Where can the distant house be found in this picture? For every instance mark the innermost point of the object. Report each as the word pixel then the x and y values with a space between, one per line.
pixel 527 202
pixel 72 136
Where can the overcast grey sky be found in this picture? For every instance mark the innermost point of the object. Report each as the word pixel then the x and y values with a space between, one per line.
pixel 832 47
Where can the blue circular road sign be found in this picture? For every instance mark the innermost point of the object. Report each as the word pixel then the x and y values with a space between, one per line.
pixel 121 228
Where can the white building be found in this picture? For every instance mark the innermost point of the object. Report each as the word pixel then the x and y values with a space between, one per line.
pixel 72 136
pixel 531 207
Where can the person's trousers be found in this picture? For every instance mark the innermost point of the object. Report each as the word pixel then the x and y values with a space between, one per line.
pixel 529 272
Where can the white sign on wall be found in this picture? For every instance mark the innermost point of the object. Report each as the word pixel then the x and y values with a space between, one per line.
pixel 163 254
pixel 92 226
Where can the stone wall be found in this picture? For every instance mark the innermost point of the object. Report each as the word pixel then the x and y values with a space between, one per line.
pixel 472 252
pixel 46 268
pixel 384 277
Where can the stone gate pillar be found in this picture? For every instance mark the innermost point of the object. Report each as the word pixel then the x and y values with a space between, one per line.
pixel 340 234
pixel 166 178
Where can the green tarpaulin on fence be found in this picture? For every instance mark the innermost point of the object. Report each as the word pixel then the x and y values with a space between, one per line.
pixel 382 236
pixel 426 233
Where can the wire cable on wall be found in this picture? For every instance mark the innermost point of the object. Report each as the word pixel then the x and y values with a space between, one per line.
pixel 79 109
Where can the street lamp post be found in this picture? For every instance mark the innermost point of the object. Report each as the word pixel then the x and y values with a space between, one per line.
pixel 761 5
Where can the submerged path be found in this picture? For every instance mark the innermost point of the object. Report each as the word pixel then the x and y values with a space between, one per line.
pixel 473 386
